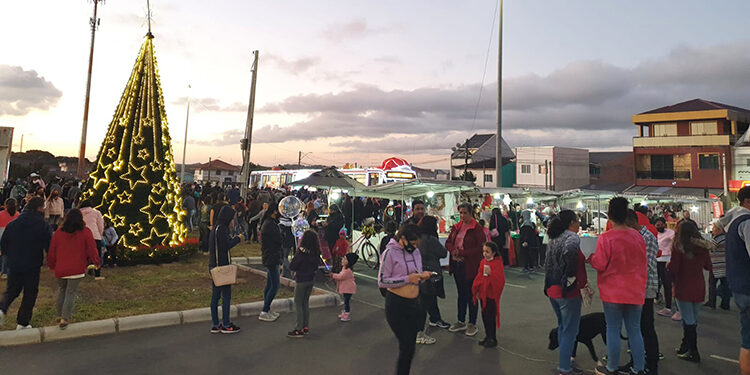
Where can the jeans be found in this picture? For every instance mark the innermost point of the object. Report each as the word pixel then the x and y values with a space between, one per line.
pixel 225 293
pixel 347 301
pixel 272 287
pixel 302 303
pixel 4 269
pixel 615 313
pixel 743 303
pixel 665 282
pixel 190 221
pixel 689 311
pixel 568 312
pixel 489 318
pixel 430 303
pixel 405 317
pixel 463 286
pixel 722 291
pixel 28 282
pixel 66 296
pixel 285 271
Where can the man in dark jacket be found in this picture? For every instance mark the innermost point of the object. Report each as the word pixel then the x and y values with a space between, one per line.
pixel 24 241
pixel 270 246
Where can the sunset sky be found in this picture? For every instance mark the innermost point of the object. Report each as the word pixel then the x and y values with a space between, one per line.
pixel 359 81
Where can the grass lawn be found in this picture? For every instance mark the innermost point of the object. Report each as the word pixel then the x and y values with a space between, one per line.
pixel 141 290
pixel 246 250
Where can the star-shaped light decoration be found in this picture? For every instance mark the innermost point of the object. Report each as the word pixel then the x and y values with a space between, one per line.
pixel 118 221
pixel 155 165
pixel 111 153
pixel 138 139
pixel 157 188
pixel 152 210
pixel 155 238
pixel 136 229
pixel 135 176
pixel 118 164
pixel 143 154
pixel 125 197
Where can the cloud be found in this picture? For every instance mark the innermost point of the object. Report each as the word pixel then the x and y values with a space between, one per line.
pixel 210 105
pixel 584 104
pixel 388 60
pixel 356 29
pixel 294 66
pixel 22 91
pixel 227 138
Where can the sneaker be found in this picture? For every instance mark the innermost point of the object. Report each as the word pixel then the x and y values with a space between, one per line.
pixel 457 327
pixel 602 370
pixel 296 334
pixel 305 330
pixel 216 329
pixel 440 324
pixel 471 329
pixel 575 369
pixel 274 314
pixel 677 316
pixel 345 317
pixel 341 314
pixel 99 278
pixel 690 356
pixel 63 324
pixel 665 312
pixel 20 327
pixel 230 329
pixel 490 343
pixel 267 317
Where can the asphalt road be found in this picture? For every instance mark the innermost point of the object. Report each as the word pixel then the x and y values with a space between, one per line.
pixel 363 346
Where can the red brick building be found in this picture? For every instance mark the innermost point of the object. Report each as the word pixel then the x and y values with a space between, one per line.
pixel 684 145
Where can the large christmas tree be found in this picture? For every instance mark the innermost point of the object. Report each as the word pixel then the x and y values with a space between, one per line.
pixel 134 182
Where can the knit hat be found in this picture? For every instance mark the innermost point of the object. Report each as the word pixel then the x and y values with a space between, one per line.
pixel 352 258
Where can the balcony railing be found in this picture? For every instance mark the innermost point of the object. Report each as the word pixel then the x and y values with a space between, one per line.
pixel 685 141
pixel 663 175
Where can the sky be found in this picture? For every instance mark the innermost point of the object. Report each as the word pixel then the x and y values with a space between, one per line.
pixel 360 81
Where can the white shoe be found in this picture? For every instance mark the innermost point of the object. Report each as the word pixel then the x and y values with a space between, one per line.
pixel 267 317
pixel 424 339
pixel 20 327
pixel 274 314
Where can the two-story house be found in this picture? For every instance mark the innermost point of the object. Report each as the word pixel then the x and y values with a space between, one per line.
pixel 687 145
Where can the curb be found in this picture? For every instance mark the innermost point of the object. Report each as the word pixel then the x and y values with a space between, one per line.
pixel 164 319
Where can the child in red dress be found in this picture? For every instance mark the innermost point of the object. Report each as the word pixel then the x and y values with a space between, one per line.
pixel 487 287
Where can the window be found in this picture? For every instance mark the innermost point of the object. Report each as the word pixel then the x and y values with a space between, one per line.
pixel 525 168
pixel 662 167
pixel 708 161
pixel 703 128
pixel 218 173
pixel 542 169
pixel 595 170
pixel 230 173
pixel 488 178
pixel 665 130
pixel 748 162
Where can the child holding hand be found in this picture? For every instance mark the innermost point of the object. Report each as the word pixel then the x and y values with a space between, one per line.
pixel 487 287
pixel 345 283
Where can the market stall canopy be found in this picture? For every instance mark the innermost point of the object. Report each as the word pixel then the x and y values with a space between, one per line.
pixel 666 192
pixel 330 178
pixel 517 192
pixel 418 187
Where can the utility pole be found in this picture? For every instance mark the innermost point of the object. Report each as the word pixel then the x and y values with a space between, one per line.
pixel 299 159
pixel 499 135
pixel 246 142
pixel 209 170
pixel 82 151
pixel 21 142
pixel 184 146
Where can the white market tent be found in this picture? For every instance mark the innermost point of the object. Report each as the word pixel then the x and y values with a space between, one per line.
pixel 418 187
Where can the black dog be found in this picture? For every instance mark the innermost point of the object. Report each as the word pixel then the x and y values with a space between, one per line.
pixel 591 326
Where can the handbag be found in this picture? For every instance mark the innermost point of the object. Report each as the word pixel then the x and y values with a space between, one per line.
pixel 222 275
pixel 494 232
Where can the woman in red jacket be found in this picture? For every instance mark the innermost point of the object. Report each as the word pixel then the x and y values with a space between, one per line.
pixel 465 245
pixel 488 287
pixel 72 249
pixel 690 256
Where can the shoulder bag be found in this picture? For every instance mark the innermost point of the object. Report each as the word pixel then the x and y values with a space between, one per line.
pixel 222 275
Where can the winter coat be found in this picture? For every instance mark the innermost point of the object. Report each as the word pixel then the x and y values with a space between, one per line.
pixel 335 223
pixel 25 240
pixel 472 248
pixel 620 259
pixel 564 260
pixel 94 221
pixel 345 281
pixel 70 253
pixel 432 251
pixel 304 264
pixel 220 240
pixel 686 271
pixel 53 207
pixel 270 243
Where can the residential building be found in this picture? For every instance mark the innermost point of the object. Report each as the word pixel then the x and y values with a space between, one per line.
pixel 686 146
pixel 610 171
pixel 217 170
pixel 480 160
pixel 552 167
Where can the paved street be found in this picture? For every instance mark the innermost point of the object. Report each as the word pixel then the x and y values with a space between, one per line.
pixel 364 346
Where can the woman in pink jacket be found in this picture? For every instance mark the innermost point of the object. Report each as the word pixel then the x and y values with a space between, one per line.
pixel 95 222
pixel 345 282
pixel 620 262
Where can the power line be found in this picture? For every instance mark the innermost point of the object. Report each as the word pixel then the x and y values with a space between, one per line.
pixel 484 72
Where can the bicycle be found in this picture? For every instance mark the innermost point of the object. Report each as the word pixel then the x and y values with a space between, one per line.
pixel 366 250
